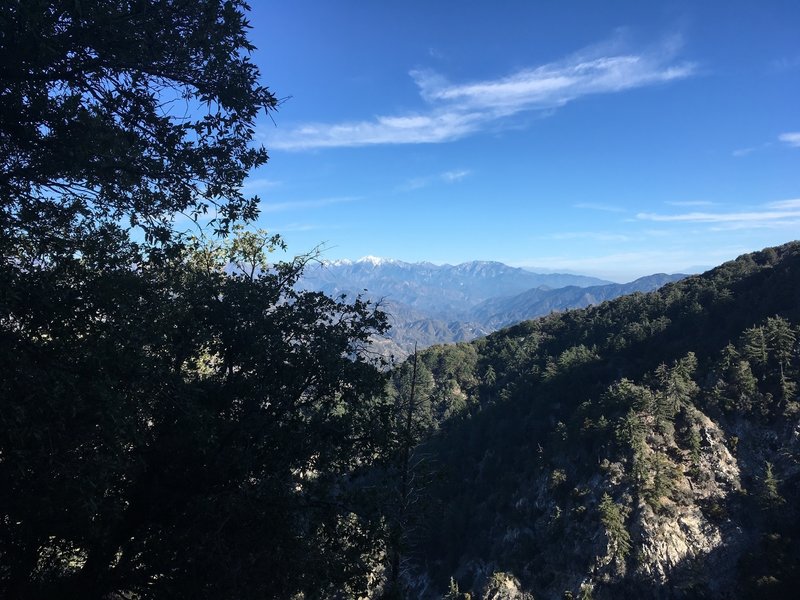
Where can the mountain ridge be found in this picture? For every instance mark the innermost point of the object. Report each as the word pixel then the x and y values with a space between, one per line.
pixel 501 312
pixel 429 304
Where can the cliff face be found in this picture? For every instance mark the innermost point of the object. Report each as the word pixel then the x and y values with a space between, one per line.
pixel 645 448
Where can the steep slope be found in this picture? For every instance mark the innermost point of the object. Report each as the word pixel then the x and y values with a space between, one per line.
pixel 412 327
pixel 648 447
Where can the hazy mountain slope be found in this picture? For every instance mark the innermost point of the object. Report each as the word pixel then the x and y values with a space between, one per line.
pixel 501 312
pixel 411 326
pixel 443 291
pixel 430 304
pixel 643 448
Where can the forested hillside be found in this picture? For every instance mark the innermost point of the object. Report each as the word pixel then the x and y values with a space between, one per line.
pixel 643 448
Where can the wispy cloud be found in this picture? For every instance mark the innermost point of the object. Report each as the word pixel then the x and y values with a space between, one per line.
pixel 691 203
pixel 780 214
pixel 704 217
pixel 436 53
pixel 554 84
pixel 626 266
pixel 792 138
pixel 790 204
pixel 785 63
pixel 417 183
pixel 739 152
pixel 453 176
pixel 260 184
pixel 273 207
pixel 406 129
pixel 642 235
pixel 597 206
pixel 456 110
pixel 298 227
pixel 597 236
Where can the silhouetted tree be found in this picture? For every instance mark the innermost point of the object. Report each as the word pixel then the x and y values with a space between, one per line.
pixel 169 428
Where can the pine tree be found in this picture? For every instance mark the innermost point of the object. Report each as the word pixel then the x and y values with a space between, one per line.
pixel 613 519
pixel 768 494
pixel 754 346
pixel 781 340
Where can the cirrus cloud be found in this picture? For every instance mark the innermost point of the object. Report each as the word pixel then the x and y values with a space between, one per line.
pixel 791 138
pixel 773 215
pixel 453 111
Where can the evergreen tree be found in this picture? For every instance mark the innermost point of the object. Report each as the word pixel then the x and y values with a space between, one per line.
pixel 613 520
pixel 768 493
pixel 781 340
pixel 754 346
pixel 736 388
pixel 661 479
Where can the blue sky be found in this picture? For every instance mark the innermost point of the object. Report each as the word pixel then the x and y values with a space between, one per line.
pixel 610 138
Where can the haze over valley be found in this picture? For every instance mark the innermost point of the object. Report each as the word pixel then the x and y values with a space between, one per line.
pixel 430 304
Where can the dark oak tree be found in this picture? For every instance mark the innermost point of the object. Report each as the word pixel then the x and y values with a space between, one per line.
pixel 176 420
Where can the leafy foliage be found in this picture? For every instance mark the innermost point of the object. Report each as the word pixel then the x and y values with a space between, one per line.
pixel 178 430
pixel 135 110
pixel 176 419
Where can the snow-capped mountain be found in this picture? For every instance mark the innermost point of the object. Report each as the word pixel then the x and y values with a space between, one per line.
pixel 446 291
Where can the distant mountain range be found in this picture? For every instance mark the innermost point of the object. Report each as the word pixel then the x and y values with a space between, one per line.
pixel 441 290
pixel 431 304
pixel 500 312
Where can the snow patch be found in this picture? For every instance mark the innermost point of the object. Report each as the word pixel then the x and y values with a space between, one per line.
pixel 375 261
